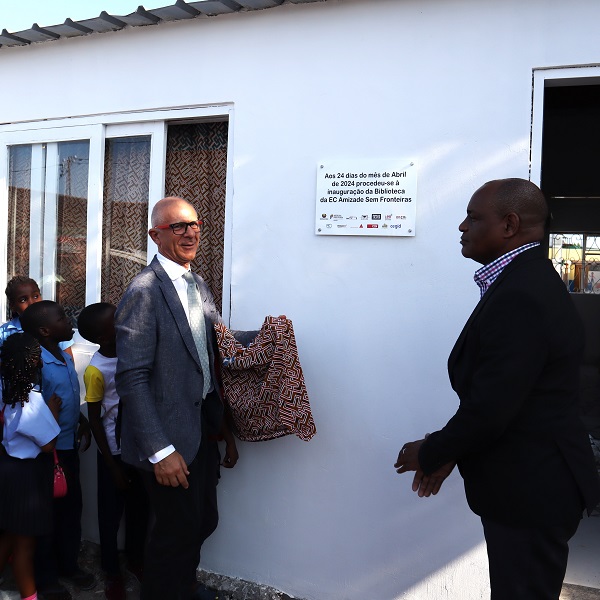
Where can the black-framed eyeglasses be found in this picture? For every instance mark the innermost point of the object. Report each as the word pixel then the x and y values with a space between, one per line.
pixel 181 228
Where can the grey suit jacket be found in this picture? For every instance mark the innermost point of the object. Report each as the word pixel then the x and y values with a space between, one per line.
pixel 159 378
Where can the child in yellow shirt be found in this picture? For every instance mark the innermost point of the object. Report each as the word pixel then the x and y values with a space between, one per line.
pixel 119 487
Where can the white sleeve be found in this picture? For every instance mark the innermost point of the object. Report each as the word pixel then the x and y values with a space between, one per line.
pixel 37 422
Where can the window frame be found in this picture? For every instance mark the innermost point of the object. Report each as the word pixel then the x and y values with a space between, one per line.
pixel 544 77
pixel 96 129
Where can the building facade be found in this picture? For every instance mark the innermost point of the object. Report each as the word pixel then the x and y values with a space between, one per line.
pixel 236 112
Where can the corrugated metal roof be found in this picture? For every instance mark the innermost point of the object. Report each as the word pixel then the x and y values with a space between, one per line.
pixel 104 22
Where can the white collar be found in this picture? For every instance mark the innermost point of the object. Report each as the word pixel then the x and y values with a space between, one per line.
pixel 172 269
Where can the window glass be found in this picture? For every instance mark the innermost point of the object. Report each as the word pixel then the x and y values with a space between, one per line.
pixel 196 170
pixel 124 213
pixel 49 203
pixel 576 257
pixel 71 225
pixel 19 210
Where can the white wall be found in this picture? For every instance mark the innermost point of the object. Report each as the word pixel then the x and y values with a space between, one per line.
pixel 446 84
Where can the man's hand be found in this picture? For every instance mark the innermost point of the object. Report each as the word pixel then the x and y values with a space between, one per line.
pixel 408 458
pixel 84 435
pixel 426 485
pixel 172 471
pixel 231 455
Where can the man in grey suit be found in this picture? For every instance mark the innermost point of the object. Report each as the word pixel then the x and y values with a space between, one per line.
pixel 172 408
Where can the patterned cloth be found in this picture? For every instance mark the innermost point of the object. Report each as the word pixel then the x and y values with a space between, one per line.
pixel 264 384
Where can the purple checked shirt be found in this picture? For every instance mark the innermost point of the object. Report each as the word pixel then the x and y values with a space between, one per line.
pixel 485 276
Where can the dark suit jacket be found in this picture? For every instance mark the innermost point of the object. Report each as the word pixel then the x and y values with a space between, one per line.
pixel 159 377
pixel 517 437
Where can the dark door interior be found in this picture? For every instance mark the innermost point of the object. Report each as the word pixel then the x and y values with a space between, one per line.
pixel 571 182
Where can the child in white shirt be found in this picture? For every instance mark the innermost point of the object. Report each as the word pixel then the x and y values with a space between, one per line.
pixel 30 429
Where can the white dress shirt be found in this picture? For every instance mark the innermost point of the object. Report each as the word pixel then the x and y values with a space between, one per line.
pixel 175 273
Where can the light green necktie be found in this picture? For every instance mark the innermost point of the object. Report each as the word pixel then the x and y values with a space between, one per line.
pixel 198 327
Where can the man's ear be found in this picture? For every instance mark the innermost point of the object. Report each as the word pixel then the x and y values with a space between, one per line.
pixel 154 236
pixel 512 223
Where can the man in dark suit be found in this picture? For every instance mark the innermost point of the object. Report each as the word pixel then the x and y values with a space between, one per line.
pixel 170 394
pixel 520 446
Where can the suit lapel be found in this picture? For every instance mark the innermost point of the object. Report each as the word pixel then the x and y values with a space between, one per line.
pixel 455 353
pixel 521 259
pixel 175 307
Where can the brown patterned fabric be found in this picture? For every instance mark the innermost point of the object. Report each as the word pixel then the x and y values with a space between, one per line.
pixel 71 226
pixel 263 383
pixel 124 213
pixel 19 208
pixel 196 169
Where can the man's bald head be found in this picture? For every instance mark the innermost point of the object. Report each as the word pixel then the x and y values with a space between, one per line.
pixel 164 206
pixel 502 215
pixel 179 247
pixel 523 198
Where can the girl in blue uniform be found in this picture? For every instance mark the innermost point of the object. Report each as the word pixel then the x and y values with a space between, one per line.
pixel 21 292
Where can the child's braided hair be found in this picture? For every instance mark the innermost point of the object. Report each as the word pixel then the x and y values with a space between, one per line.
pixel 20 367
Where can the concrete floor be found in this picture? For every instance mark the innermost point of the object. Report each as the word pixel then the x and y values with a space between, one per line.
pixel 584 554
pixel 89 560
pixel 576 592
pixel 582 581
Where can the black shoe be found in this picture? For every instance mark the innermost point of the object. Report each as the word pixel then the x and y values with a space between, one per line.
pixel 55 591
pixel 83 580
pixel 136 569
pixel 114 588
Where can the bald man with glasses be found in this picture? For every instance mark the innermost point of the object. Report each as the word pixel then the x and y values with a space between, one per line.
pixel 172 407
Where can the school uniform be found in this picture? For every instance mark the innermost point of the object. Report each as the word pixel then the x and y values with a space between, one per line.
pixel 26 471
pixel 99 379
pixel 57 553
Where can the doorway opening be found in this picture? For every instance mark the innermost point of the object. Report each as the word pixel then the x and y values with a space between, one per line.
pixel 570 155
